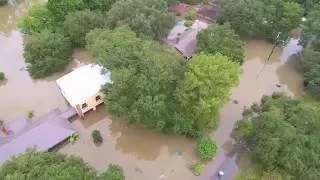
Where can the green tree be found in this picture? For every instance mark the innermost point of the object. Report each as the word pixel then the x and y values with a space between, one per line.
pixel 280 16
pixel 102 5
pixel 2 76
pixel 60 9
pixel 264 18
pixel 3 2
pixel 207 85
pixel 145 92
pixel 244 16
pixel 37 19
pixel 46 165
pixel 207 149
pixel 311 30
pixel 115 49
pixel 46 53
pixel 77 24
pixel 221 39
pixel 284 136
pixel 148 18
pixel 114 172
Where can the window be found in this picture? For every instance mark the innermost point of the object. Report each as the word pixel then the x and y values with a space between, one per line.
pixel 98 98
pixel 84 105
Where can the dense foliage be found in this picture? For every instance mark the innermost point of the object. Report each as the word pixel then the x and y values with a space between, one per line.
pixel 261 17
pixel 2 76
pixel 207 149
pixel 221 39
pixel 37 19
pixel 114 172
pixel 148 18
pixel 77 24
pixel 40 165
pixel 3 2
pixel 310 61
pixel 198 169
pixel 102 5
pixel 206 87
pixel 96 136
pixel 282 134
pixel 60 9
pixel 153 87
pixel 264 175
pixel 115 49
pixel 46 53
pixel 311 30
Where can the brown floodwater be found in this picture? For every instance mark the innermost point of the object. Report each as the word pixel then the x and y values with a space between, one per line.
pixel 143 154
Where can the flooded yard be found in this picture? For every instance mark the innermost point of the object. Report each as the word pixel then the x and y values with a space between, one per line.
pixel 143 154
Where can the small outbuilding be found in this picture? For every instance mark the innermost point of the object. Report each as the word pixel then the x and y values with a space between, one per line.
pixel 81 87
pixel 180 8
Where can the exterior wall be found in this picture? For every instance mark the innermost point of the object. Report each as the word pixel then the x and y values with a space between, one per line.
pixel 91 103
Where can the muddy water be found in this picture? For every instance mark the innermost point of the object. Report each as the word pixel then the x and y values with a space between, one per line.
pixel 260 77
pixel 144 154
pixel 20 93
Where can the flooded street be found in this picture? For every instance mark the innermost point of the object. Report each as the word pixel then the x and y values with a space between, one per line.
pixel 144 154
pixel 259 78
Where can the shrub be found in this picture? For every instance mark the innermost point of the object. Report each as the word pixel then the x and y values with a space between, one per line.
pixel 114 172
pixel 197 169
pixel 30 114
pixel 3 2
pixel 2 76
pixel 96 136
pixel 207 149
pixel 74 138
pixel 191 15
pixel 188 23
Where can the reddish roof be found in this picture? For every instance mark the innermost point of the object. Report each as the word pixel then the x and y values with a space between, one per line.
pixel 180 8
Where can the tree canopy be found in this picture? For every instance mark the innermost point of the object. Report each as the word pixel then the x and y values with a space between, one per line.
pixel 39 165
pixel 221 39
pixel 311 30
pixel 114 49
pixel 77 24
pixel 153 87
pixel 261 17
pixel 206 87
pixel 282 134
pixel 60 8
pixel 114 172
pixel 148 18
pixel 37 19
pixel 46 53
pixel 102 5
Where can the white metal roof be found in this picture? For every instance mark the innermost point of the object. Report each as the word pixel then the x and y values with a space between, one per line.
pixel 82 83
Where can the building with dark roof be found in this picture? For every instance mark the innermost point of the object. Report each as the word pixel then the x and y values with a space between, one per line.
pixel 43 133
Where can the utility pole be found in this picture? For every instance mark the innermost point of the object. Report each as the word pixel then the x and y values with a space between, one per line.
pixel 274 46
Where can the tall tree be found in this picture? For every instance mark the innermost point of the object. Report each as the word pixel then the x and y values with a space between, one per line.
pixel 37 19
pixel 311 30
pixel 60 9
pixel 148 18
pixel 221 39
pixel 115 49
pixel 145 92
pixel 282 134
pixel 46 53
pixel 40 165
pixel 244 16
pixel 102 5
pixel 206 87
pixel 77 24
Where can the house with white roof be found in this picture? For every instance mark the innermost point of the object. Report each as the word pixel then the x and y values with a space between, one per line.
pixel 81 87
